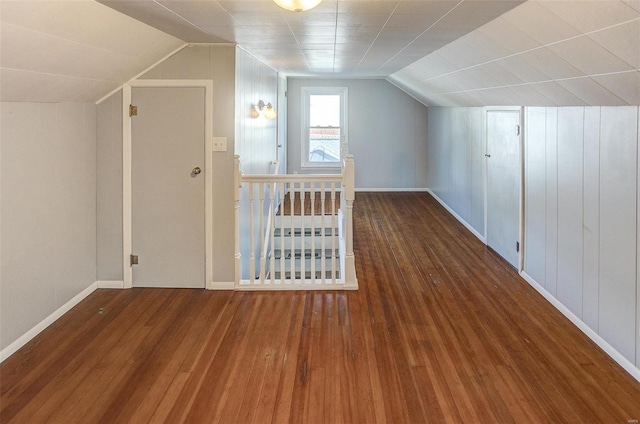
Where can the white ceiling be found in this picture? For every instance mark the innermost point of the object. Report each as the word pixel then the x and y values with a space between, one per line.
pixel 336 39
pixel 443 52
pixel 544 52
pixel 72 51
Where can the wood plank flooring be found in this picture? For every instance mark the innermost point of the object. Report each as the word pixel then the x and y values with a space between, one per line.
pixel 441 330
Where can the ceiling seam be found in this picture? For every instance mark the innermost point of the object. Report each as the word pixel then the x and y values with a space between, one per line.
pixel 378 35
pixel 68 40
pixel 297 43
pixel 56 75
pixel 604 74
pixel 421 34
pixel 533 49
pixel 180 16
pixel 335 38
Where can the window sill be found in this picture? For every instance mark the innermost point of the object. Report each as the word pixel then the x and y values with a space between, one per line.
pixel 321 167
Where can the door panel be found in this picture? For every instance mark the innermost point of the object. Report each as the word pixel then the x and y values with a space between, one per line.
pixel 168 223
pixel 503 184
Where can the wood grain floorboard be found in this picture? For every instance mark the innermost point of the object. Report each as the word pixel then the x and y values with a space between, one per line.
pixel 442 330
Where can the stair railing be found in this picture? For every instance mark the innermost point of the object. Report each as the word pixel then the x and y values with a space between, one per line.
pixel 284 260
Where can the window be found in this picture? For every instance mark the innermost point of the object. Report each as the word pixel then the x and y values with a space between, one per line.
pixel 324 125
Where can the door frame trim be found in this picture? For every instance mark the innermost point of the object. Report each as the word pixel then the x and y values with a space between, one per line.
pixel 521 158
pixel 127 244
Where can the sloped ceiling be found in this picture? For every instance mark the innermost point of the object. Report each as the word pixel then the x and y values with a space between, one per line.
pixel 344 38
pixel 72 51
pixel 443 52
pixel 544 52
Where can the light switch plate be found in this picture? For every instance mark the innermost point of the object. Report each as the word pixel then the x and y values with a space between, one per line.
pixel 219 144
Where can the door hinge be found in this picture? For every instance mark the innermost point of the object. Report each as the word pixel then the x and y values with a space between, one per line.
pixel 517 246
pixel 517 129
pixel 133 110
pixel 134 260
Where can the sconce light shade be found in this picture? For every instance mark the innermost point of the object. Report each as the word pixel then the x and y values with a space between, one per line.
pixel 297 5
pixel 269 112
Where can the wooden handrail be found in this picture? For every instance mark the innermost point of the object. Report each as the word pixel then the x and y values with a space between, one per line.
pixel 292 178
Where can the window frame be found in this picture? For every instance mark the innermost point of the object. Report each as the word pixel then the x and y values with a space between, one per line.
pixel 306 93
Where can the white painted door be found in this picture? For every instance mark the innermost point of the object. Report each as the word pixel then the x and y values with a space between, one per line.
pixel 503 183
pixel 168 222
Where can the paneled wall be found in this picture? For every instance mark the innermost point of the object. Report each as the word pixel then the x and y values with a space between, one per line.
pixel 48 175
pixel 455 161
pixel 387 133
pixel 256 137
pixel 581 190
pixel 581 235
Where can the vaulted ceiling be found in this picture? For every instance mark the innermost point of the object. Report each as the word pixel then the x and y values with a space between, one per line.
pixel 442 52
pixel 72 51
pixel 342 38
pixel 544 52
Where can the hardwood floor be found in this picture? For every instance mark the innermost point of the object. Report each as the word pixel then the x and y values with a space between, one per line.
pixel 441 330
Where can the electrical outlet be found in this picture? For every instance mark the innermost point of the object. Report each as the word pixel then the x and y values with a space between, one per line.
pixel 219 144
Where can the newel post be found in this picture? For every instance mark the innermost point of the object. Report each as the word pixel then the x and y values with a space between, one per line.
pixel 237 185
pixel 348 185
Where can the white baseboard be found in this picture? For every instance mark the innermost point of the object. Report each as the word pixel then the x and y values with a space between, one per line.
pixel 221 285
pixel 609 350
pixel 363 189
pixel 458 217
pixel 110 284
pixel 37 329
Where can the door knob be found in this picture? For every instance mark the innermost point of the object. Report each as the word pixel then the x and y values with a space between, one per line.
pixel 196 170
pixel 488 155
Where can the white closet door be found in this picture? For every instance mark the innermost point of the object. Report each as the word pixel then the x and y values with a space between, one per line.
pixel 168 222
pixel 503 183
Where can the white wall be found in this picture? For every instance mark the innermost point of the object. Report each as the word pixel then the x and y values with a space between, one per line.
pixel 581 233
pixel 456 162
pixel 48 251
pixel 387 133
pixel 109 189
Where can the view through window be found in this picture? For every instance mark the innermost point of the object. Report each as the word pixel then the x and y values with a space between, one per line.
pixel 324 128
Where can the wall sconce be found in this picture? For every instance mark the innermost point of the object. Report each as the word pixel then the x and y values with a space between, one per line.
pixel 267 109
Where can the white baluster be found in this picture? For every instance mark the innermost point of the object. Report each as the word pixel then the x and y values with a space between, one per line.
pixel 272 231
pixel 303 256
pixel 237 186
pixel 263 253
pixel 348 175
pixel 292 245
pixel 252 244
pixel 323 240
pixel 334 236
pixel 312 197
pixel 282 245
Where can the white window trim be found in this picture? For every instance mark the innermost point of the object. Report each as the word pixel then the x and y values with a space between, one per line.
pixel 306 92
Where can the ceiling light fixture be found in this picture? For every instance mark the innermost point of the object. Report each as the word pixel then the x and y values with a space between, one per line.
pixel 297 5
